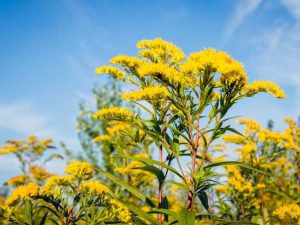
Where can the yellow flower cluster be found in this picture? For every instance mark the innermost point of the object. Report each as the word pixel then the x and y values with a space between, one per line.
pixel 127 61
pixel 247 149
pixel 292 211
pixel 237 181
pixel 270 136
pixel 117 126
pixel 103 137
pixel 39 173
pixel 233 138
pixel 55 184
pixel 114 113
pixel 6 149
pixel 264 86
pixel 120 211
pixel 115 72
pixel 251 125
pixel 160 50
pixel 80 170
pixel 23 192
pixel 211 60
pixel 147 93
pixel 222 188
pixel 32 143
pixel 94 188
pixel 18 180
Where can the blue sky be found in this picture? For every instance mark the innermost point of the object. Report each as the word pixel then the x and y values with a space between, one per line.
pixel 49 50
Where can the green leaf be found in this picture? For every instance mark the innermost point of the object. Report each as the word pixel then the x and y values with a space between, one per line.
pixel 187 218
pixel 155 171
pixel 166 212
pixel 204 199
pixel 148 161
pixel 140 213
pixel 44 218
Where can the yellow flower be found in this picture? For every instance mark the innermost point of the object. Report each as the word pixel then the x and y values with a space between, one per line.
pixel 117 127
pixel 23 192
pixel 116 113
pixel 115 72
pixel 127 61
pixel 251 125
pixel 18 180
pixel 39 173
pixel 121 212
pixel 94 188
pixel 158 49
pixel 233 138
pixel 54 185
pixel 103 137
pixel 147 93
pixel 222 188
pixel 165 73
pixel 6 149
pixel 232 71
pixel 264 86
pixel 80 170
pixel 292 211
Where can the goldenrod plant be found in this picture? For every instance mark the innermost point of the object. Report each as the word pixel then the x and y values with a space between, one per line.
pixel 185 100
pixel 269 197
pixel 32 157
pixel 161 164
pixel 74 198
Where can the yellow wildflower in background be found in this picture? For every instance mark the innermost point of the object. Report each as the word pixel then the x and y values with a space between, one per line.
pixel 292 211
pixel 39 173
pixel 115 72
pixel 80 170
pixel 251 125
pixel 265 86
pixel 18 180
pixel 6 149
pixel 233 138
pixel 117 127
pixel 147 93
pixel 103 137
pixel 115 113
pixel 23 192
pixel 120 211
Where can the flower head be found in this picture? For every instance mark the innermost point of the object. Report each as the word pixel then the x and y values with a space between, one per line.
pixel 23 192
pixel 148 93
pixel 115 113
pixel 80 170
pixel 115 72
pixel 264 86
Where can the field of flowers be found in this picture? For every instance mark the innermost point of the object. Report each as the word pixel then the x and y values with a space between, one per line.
pixel 165 152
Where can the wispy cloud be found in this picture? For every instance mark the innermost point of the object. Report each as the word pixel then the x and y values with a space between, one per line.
pixel 276 52
pixel 23 118
pixel 293 6
pixel 242 10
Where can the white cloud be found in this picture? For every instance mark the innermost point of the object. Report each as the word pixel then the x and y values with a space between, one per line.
pixel 276 52
pixel 23 118
pixel 242 10
pixel 293 6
